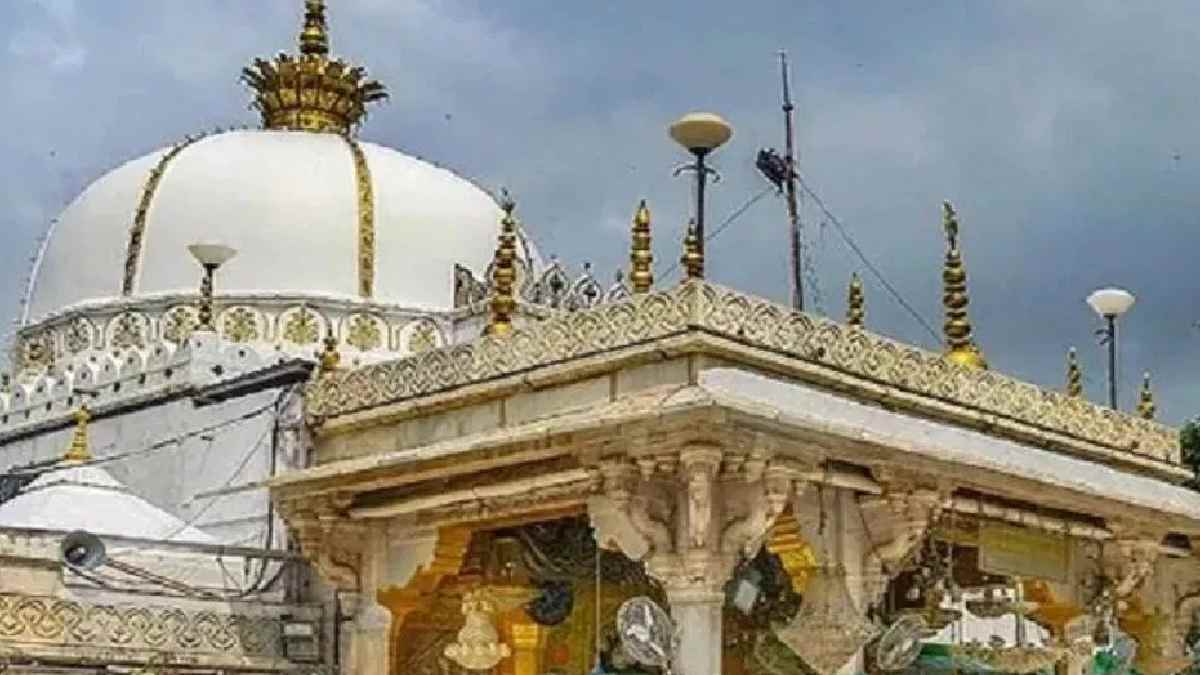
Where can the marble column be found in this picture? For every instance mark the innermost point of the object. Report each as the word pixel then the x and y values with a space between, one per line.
pixel 697 614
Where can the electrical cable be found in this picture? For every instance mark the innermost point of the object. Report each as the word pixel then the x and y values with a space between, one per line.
pixel 887 285
pixel 158 445
pixel 723 225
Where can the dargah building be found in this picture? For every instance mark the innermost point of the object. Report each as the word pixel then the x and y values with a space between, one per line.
pixel 283 400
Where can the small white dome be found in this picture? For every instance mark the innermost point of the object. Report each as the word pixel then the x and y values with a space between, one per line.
pixel 289 202
pixel 89 498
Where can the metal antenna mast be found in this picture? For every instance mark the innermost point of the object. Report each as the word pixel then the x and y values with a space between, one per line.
pixel 790 189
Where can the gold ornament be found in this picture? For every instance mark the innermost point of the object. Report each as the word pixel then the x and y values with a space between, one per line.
pixel 504 273
pixel 855 302
pixel 330 358
pixel 960 347
pixel 693 257
pixel 79 452
pixel 311 92
pixel 641 258
pixel 1074 376
pixel 1146 407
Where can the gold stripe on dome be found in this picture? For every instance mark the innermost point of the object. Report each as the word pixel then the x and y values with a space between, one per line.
pixel 366 220
pixel 137 232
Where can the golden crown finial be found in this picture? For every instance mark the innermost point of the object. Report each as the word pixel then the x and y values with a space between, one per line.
pixel 856 312
pixel 1074 375
pixel 504 272
pixel 960 347
pixel 311 92
pixel 329 357
pixel 314 37
pixel 1146 407
pixel 78 452
pixel 641 259
pixel 693 256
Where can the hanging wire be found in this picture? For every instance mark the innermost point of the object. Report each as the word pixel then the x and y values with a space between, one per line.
pixel 875 272
pixel 737 213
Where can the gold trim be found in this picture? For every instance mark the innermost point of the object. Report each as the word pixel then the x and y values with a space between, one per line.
pixel 366 220
pixel 137 232
pixel 78 452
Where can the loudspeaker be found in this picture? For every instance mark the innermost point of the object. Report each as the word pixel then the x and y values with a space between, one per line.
pixel 83 550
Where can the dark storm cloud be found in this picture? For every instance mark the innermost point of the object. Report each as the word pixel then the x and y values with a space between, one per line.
pixel 1066 133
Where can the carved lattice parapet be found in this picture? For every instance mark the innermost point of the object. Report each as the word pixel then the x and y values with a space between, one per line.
pixel 924 382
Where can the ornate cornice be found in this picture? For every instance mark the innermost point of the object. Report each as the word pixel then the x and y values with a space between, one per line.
pixel 934 384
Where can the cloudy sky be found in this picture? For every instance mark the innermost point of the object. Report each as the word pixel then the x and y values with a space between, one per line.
pixel 1066 133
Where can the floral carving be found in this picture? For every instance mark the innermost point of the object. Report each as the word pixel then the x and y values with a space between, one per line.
pixel 128 332
pixel 240 325
pixel 302 327
pixel 424 337
pixel 179 323
pixel 79 335
pixel 364 334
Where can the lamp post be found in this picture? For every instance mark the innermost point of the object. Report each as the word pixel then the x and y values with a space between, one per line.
pixel 210 257
pixel 1111 303
pixel 700 133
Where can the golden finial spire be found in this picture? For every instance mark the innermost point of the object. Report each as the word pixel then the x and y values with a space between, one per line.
pixel 311 92
pixel 855 302
pixel 314 38
pixel 960 347
pixel 693 257
pixel 329 357
pixel 1074 376
pixel 504 272
pixel 641 274
pixel 79 452
pixel 1146 407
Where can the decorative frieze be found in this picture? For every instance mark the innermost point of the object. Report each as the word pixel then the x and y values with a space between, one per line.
pixel 865 361
pixel 35 619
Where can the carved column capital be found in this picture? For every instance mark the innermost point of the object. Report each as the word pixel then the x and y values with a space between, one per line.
pixel 327 537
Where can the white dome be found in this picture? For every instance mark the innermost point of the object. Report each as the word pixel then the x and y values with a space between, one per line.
pixel 88 498
pixel 289 203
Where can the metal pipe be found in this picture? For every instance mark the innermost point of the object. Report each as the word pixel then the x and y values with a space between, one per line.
pixel 701 181
pixel 1112 361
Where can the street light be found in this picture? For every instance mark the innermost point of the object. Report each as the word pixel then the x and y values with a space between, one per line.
pixel 210 257
pixel 1111 303
pixel 700 133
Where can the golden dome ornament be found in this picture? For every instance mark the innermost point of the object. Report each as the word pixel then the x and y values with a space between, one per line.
pixel 310 91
